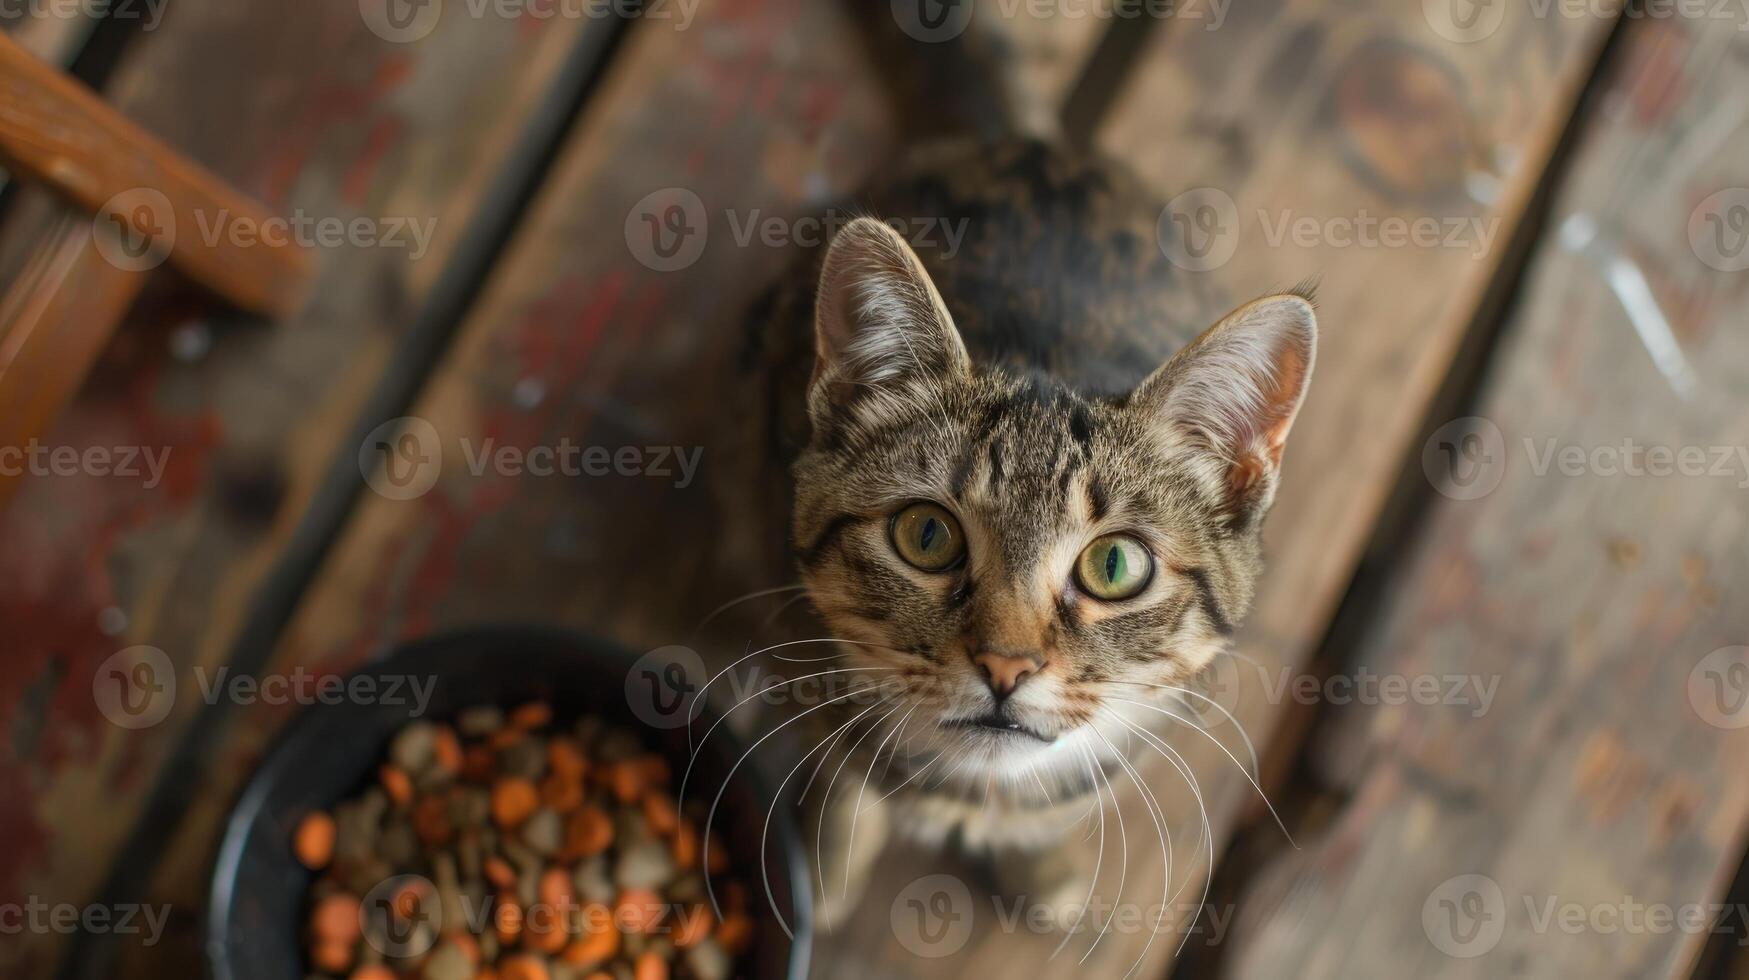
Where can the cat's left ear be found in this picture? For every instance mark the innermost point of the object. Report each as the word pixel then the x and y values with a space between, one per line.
pixel 1233 393
pixel 878 320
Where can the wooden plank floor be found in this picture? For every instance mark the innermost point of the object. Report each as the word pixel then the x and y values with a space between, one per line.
pixel 1608 769
pixel 1338 113
pixel 307 108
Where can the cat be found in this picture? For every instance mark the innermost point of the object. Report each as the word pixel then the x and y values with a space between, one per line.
pixel 1026 491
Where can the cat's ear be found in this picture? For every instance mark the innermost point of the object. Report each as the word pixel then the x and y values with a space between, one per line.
pixel 878 320
pixel 1232 395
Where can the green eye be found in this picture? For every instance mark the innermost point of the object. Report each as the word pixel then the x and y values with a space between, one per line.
pixel 928 537
pixel 1113 567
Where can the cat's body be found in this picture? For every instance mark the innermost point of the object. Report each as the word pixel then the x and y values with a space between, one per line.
pixel 1006 390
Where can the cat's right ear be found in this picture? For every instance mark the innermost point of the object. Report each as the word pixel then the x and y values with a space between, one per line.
pixel 879 322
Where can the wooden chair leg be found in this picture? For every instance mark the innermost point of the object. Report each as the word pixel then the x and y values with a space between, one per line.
pixel 54 322
pixel 156 202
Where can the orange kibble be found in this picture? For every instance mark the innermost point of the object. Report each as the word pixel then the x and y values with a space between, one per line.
pixel 637 909
pixel 332 957
pixel 735 896
pixel 504 738
pixel 465 942
pixel 561 793
pixel 589 831
pixel 335 919
pixel 660 813
pixel 448 750
pixel 314 841
pixel 507 920
pixel 397 784
pixel 407 899
pixel 599 975
pixel 694 924
pixel 513 799
pixel 545 933
pixel 735 933
pixel 718 862
pixel 522 968
pixel 625 780
pixel 593 947
pixel 533 715
pixel 499 872
pixel 372 973
pixel 555 889
pixel 685 845
pixel 565 756
pixel 650 966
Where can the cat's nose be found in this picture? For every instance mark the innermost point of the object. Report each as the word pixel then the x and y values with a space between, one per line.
pixel 1004 672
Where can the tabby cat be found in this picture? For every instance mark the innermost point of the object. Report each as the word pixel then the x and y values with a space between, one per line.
pixel 1027 495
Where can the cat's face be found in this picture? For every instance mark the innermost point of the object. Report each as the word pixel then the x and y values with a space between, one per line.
pixel 1014 562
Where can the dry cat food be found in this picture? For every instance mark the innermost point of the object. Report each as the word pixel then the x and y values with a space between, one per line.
pixel 502 848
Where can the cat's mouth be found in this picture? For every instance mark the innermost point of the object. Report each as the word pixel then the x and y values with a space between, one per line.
pixel 995 723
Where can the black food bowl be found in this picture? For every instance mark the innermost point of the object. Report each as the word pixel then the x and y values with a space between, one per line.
pixel 332 750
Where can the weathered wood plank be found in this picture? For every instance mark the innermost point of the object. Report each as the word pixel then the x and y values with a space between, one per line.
pixel 1605 782
pixel 60 134
pixel 306 108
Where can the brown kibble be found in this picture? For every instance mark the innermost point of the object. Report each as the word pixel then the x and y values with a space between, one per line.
pixel 735 933
pixel 513 800
pixel 588 832
pixel 522 968
pixel 332 957
pixel 465 942
pixel 431 821
pixel 314 841
pixel 561 793
pixel 654 769
pixel 479 764
pixel 718 861
pixel 637 909
pixel 372 973
pixel 650 966
pixel 396 783
pixel 535 714
pixel 735 896
pixel 566 757
pixel 335 920
pixel 660 814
